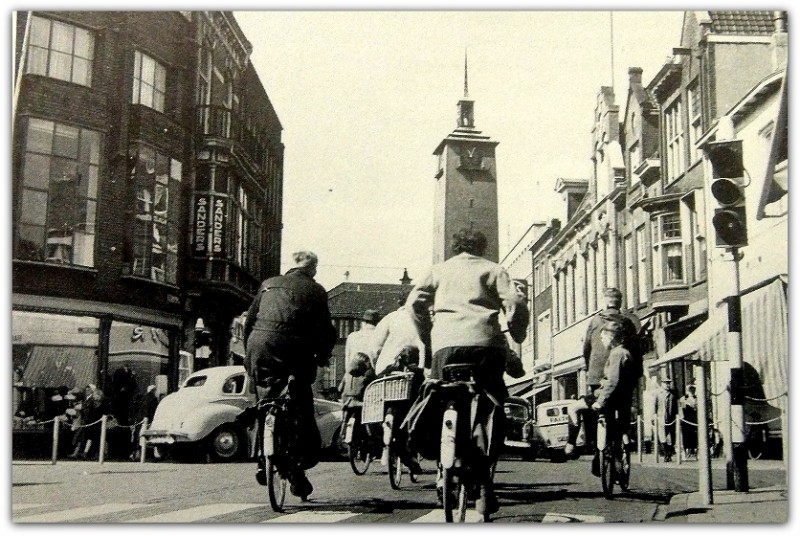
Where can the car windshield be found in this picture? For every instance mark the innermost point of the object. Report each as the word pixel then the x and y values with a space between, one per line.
pixel 516 412
pixel 196 381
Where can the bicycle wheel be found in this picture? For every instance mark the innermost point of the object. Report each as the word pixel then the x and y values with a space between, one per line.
pixel 359 453
pixel 607 472
pixel 276 483
pixel 395 469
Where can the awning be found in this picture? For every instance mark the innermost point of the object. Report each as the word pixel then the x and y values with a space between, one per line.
pixel 765 337
pixel 519 385
pixel 535 391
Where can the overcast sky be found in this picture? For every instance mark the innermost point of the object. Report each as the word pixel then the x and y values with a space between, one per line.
pixel 365 98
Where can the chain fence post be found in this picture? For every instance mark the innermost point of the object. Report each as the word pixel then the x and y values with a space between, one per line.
pixel 143 442
pixel 56 431
pixel 101 454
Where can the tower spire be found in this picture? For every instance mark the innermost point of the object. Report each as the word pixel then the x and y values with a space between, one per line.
pixel 466 79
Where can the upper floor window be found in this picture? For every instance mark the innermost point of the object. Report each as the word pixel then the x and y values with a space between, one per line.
pixel 149 82
pixel 156 179
pixel 674 138
pixel 60 50
pixel 667 250
pixel 695 123
pixel 630 265
pixel 641 255
pixel 247 228
pixel 58 201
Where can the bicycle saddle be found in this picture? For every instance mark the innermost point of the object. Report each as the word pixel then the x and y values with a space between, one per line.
pixel 459 372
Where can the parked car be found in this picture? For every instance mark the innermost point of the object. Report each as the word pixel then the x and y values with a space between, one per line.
pixel 552 427
pixel 200 418
pixel 521 434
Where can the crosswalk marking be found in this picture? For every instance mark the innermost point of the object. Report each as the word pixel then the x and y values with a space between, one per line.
pixel 313 516
pixel 197 513
pixel 552 517
pixel 26 506
pixel 437 516
pixel 78 513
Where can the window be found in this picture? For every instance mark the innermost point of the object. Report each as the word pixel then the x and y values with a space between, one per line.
pixel 57 208
pixel 667 250
pixel 247 229
pixel 149 82
pixel 156 179
pixel 694 205
pixel 582 284
pixel 60 51
pixel 641 248
pixel 674 137
pixel 629 270
pixel 591 279
pixel 635 157
pixel 695 126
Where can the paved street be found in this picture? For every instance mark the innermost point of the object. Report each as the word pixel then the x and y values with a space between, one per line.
pixel 87 492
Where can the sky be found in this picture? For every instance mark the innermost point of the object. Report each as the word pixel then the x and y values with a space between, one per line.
pixel 365 97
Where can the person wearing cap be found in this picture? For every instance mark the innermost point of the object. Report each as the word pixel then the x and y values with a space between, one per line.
pixel 666 413
pixel 595 355
pixel 687 410
pixel 289 332
pixel 615 392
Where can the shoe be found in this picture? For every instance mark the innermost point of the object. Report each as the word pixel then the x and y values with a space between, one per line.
pixel 440 496
pixel 300 485
pixel 487 502
pixel 596 465
pixel 570 453
pixel 261 476
pixel 413 466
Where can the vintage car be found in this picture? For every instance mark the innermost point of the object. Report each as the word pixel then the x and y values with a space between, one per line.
pixel 552 427
pixel 521 438
pixel 202 413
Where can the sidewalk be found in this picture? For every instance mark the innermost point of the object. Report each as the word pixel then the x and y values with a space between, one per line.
pixel 754 506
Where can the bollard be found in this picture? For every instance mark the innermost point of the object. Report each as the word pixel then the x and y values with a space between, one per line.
pixel 101 452
pixel 56 430
pixel 143 442
pixel 679 439
pixel 639 437
pixel 655 440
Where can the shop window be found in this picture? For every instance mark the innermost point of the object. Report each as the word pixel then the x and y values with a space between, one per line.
pixel 52 355
pixel 156 179
pixel 56 213
pixel 149 82
pixel 59 50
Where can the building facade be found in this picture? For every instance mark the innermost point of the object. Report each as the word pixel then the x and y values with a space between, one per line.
pixel 147 179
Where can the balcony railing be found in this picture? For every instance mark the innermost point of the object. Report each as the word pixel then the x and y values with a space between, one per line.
pixel 218 122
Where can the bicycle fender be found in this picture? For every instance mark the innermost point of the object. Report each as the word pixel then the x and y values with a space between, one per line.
pixel 447 454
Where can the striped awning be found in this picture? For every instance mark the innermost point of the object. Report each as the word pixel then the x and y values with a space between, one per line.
pixel 765 338
pixel 60 366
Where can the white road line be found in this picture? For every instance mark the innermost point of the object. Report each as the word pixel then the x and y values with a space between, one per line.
pixel 437 516
pixel 313 516
pixel 197 513
pixel 78 513
pixel 552 517
pixel 19 507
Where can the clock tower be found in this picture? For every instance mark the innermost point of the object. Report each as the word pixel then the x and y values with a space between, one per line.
pixel 466 183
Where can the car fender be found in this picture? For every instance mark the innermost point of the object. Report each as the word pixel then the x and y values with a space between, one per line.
pixel 204 420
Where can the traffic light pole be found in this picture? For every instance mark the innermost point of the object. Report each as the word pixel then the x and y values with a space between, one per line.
pixel 737 462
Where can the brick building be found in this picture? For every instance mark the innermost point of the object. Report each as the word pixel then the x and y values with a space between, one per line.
pixel 147 180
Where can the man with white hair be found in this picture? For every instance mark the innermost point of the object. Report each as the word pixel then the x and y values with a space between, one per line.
pixel 288 332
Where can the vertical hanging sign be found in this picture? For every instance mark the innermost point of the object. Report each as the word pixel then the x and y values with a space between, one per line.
pixel 218 227
pixel 201 225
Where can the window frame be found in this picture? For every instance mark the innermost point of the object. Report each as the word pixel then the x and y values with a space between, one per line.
pixel 662 245
pixel 155 89
pixel 674 139
pixel 49 53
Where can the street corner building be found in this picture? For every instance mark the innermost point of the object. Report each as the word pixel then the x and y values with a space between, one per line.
pixel 147 175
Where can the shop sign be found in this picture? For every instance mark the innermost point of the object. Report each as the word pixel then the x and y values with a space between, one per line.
pixel 201 227
pixel 218 227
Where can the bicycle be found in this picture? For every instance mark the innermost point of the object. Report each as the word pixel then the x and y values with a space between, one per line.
pixel 385 401
pixel 277 439
pixel 459 456
pixel 615 457
pixel 362 448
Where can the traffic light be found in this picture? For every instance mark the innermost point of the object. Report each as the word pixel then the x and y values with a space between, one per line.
pixel 727 190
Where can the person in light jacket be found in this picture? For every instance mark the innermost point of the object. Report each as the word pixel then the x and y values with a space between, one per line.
pixel 403 327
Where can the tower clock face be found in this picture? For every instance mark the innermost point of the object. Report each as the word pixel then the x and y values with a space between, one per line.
pixel 471 157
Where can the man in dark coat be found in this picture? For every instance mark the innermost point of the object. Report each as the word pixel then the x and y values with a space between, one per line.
pixel 288 332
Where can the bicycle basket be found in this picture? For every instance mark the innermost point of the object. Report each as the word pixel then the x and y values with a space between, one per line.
pixel 388 389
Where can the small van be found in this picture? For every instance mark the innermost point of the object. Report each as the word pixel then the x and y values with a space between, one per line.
pixel 552 426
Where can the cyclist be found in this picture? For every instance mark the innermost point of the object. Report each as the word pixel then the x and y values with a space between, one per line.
pixel 289 332
pixel 595 355
pixel 467 294
pixel 620 376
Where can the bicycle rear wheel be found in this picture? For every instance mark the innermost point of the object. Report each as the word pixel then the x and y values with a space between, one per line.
pixel 395 469
pixel 276 483
pixel 607 472
pixel 359 453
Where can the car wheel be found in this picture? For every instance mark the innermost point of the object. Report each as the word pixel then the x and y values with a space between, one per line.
pixel 529 455
pixel 225 444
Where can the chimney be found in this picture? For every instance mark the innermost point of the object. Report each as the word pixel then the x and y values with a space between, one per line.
pixel 405 280
pixel 635 75
pixel 779 44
